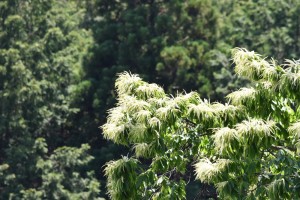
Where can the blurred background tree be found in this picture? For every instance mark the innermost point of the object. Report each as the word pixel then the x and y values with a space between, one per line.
pixel 42 47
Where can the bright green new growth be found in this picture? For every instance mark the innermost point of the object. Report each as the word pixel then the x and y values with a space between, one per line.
pixel 247 148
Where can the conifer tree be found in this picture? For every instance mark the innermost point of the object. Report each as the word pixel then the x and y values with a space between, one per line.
pixel 42 47
pixel 269 27
pixel 248 148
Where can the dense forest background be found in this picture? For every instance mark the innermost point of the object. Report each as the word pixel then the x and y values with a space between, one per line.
pixel 58 64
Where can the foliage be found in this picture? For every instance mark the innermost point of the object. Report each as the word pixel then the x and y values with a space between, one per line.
pixel 62 174
pixel 58 61
pixel 268 27
pixel 42 47
pixel 181 45
pixel 148 38
pixel 247 148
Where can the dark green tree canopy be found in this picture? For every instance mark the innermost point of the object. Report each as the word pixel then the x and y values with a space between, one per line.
pixel 42 47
